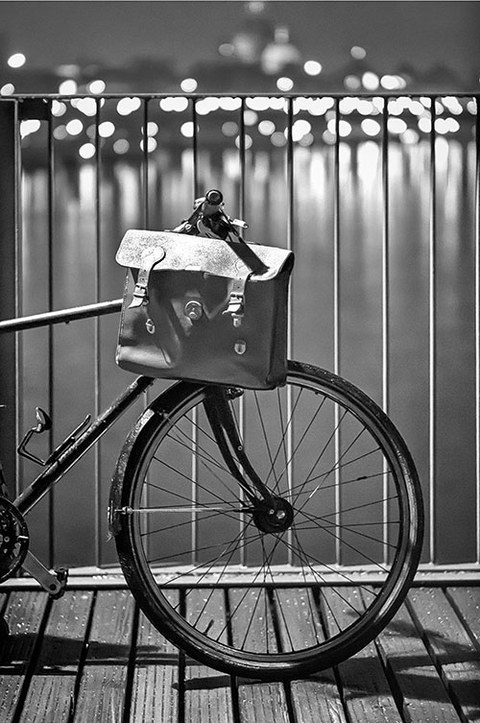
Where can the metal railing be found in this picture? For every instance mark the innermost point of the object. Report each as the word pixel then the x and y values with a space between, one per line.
pixel 285 175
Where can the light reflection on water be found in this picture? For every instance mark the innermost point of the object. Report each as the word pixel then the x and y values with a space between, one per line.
pixel 170 199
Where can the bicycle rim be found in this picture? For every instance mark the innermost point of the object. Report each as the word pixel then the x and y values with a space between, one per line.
pixel 256 597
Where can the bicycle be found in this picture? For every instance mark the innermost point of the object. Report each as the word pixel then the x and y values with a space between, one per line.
pixel 267 534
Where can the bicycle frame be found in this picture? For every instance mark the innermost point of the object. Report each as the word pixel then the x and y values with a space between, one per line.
pixel 72 449
pixel 59 466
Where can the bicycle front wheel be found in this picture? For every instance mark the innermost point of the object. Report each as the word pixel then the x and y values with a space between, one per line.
pixel 270 593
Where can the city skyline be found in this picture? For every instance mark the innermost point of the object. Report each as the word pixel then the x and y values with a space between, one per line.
pixel 425 35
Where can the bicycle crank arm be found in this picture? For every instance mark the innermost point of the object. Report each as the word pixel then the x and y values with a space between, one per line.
pixel 52 582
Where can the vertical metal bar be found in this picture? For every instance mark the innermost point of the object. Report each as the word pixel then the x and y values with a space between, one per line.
pixel 290 176
pixel 194 424
pixel 195 148
pixel 477 325
pixel 432 331
pixel 290 170
pixel 50 337
pixel 336 319
pixel 242 160
pixel 385 261
pixel 290 244
pixel 145 224
pixel 145 174
pixel 9 280
pixel 385 310
pixel 194 472
pixel 97 366
pixel 242 208
pixel 336 242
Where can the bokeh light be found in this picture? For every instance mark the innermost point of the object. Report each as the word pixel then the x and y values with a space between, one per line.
pixel 312 67
pixel 96 86
pixel 68 87
pixel 16 60
pixel 74 127
pixel 285 84
pixel 86 151
pixel 189 85
pixel 358 53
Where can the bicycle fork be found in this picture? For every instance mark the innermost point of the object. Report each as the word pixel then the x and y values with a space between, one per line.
pixel 270 512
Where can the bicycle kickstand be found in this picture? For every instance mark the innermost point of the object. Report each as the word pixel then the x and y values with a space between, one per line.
pixel 54 583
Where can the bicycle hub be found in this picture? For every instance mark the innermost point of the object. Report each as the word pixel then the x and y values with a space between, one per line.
pixel 273 516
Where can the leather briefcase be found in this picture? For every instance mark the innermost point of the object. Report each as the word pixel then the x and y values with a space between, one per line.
pixel 204 309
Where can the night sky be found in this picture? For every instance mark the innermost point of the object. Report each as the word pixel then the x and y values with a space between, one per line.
pixel 422 33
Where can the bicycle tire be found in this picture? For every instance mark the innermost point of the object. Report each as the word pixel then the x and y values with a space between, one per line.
pixel 250 601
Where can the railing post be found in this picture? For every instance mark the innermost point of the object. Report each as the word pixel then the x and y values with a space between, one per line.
pixel 8 285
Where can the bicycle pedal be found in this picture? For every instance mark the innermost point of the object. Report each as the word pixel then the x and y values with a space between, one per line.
pixel 52 582
pixel 61 573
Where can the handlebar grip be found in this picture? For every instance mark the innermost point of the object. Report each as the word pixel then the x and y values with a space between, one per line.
pixel 214 197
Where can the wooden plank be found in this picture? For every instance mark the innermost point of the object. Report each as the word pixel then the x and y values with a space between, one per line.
pixel 208 697
pixel 155 679
pixel 51 691
pixel 3 601
pixel 262 702
pixel 423 694
pixel 451 648
pixel 366 692
pixel 316 698
pixel 24 614
pixel 258 702
pixel 103 684
pixel 467 600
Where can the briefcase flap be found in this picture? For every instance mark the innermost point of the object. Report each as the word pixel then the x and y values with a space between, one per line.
pixel 169 251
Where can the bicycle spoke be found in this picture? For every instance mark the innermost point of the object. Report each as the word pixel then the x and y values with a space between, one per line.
pixel 300 552
pixel 342 527
pixel 188 522
pixel 335 466
pixel 201 565
pixel 343 465
pixel 304 434
pixel 305 557
pixel 266 564
pixel 264 433
pixel 283 438
pixel 209 597
pixel 206 457
pixel 366 504
pixel 343 483
pixel 211 471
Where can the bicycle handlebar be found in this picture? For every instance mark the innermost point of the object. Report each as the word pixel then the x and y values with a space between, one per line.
pixel 214 197
pixel 209 218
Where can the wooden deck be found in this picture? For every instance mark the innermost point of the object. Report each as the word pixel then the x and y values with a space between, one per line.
pixel 91 656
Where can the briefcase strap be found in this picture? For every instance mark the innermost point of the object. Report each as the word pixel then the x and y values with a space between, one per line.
pixel 140 293
pixel 236 301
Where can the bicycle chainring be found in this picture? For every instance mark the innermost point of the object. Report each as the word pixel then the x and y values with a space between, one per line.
pixel 14 539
